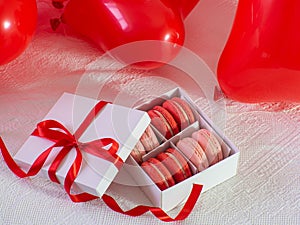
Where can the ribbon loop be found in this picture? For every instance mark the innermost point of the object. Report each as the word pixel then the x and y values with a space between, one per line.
pixel 52 130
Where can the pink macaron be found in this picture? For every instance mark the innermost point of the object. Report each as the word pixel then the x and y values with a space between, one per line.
pixel 159 174
pixel 163 121
pixel 176 164
pixel 147 143
pixel 210 144
pixel 149 139
pixel 194 152
pixel 138 152
pixel 181 112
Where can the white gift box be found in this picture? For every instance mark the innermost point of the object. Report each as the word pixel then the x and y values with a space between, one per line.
pixel 126 126
pixel 122 124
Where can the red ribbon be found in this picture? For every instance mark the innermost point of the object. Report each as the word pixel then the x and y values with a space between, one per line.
pixel 157 212
pixel 57 133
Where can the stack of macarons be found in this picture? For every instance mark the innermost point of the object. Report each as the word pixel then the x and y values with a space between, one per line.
pixel 210 145
pixel 170 167
pixel 173 116
pixel 194 153
pixel 147 143
pixel 203 149
pixel 167 168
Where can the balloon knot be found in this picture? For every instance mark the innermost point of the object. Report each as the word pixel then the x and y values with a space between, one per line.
pixel 58 4
pixel 55 23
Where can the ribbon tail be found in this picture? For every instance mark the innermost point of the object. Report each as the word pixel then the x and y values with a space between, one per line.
pixel 56 162
pixel 157 212
pixel 70 178
pixel 185 211
pixel 82 197
pixel 12 165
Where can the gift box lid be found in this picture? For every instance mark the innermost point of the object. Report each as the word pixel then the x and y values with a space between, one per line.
pixel 122 124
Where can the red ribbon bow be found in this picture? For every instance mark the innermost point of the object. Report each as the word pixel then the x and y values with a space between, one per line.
pixel 50 130
pixel 56 132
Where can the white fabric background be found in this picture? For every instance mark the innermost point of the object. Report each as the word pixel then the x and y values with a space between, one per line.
pixel 266 188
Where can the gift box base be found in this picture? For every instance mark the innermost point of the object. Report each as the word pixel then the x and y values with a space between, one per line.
pixel 209 178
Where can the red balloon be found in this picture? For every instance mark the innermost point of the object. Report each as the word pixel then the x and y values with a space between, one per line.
pixel 114 23
pixel 18 20
pixel 261 60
